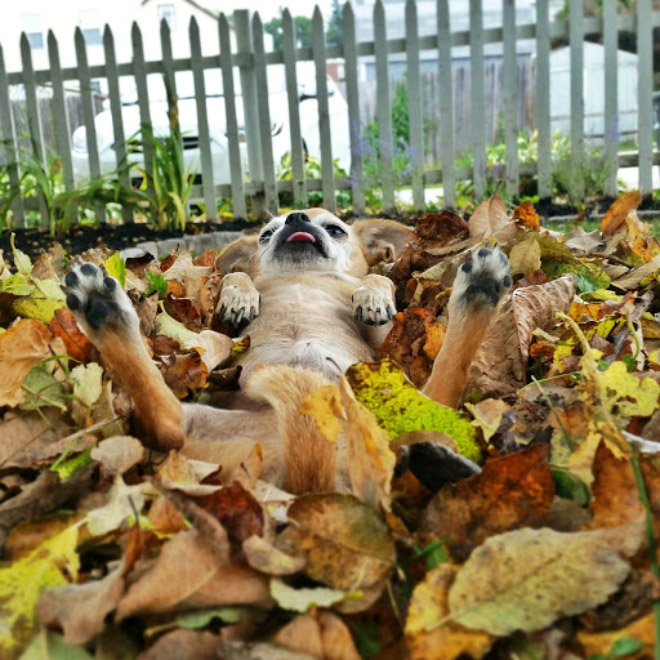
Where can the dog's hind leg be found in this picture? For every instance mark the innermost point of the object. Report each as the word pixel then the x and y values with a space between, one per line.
pixel 480 286
pixel 108 318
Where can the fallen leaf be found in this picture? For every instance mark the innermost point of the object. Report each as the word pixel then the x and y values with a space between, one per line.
pixel 643 630
pixel 123 501
pixel 346 543
pixel 511 492
pixel 525 257
pixel 87 385
pixel 625 395
pixel 304 599
pixel 491 219
pixel 618 212
pixel 525 216
pixel 528 578
pixel 585 241
pixel 320 635
pixel 428 606
pixel 488 415
pixel 80 609
pixel 118 454
pixel 21 348
pixel 266 558
pixel 65 326
pixel 52 564
pixel 500 365
pixel 48 644
pixel 201 645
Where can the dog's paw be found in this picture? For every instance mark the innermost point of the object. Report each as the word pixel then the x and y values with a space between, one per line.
pixel 373 306
pixel 484 279
pixel 239 300
pixel 98 299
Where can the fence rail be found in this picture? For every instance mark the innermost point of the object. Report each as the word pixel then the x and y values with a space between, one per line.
pixel 251 122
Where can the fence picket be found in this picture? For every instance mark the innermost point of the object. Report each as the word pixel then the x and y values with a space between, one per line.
pixel 645 93
pixel 611 119
pixel 576 43
pixel 115 112
pixel 265 126
pixel 208 184
pixel 140 75
pixel 33 118
pixel 510 66
pixel 8 145
pixel 477 98
pixel 416 122
pixel 244 45
pixel 447 149
pixel 353 102
pixel 327 163
pixel 297 158
pixel 60 114
pixel 88 116
pixel 543 100
pixel 385 137
pixel 168 59
pixel 235 167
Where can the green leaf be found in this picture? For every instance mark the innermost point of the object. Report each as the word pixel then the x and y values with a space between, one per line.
pixel 170 327
pixel 156 283
pixel 116 268
pixel 49 645
pixel 570 487
pixel 202 618
pixel 399 407
pixel 17 285
pixel 66 469
pixel 49 288
pixel 42 390
pixel 625 646
pixel 584 284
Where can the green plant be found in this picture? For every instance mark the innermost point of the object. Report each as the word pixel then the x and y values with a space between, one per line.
pixel 169 183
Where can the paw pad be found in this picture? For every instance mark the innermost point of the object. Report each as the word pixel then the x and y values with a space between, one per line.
pixel 484 279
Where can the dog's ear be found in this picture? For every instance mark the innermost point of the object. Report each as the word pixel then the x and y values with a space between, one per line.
pixel 382 239
pixel 239 256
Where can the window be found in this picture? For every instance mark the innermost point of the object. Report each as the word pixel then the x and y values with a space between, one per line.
pixel 31 25
pixel 88 21
pixel 167 12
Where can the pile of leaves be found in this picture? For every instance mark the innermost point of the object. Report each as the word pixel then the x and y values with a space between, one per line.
pixel 112 550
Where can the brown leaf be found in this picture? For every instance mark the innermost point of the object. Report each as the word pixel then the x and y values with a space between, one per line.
pixel 80 609
pixel 428 606
pixel 525 216
pixel 188 572
pixel 266 558
pixel 178 644
pixel 21 347
pixel 77 344
pixel 618 212
pixel 184 373
pixel 118 454
pixel 320 635
pixel 491 219
pixel 346 543
pixel 165 517
pixel 237 509
pixel 500 365
pixel 615 496
pixel 511 492
pixel 441 228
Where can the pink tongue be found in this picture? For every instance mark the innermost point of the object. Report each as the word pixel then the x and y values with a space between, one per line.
pixel 301 236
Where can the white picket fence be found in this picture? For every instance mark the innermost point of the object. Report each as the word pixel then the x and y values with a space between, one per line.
pixel 252 61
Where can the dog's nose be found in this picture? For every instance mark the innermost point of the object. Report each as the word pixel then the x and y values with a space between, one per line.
pixel 296 217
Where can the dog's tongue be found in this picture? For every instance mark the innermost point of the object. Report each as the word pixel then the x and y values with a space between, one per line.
pixel 302 237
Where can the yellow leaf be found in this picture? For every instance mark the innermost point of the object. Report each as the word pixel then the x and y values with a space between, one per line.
pixel 642 630
pixel 428 606
pixel 325 407
pixel 53 563
pixel 525 257
pixel 625 394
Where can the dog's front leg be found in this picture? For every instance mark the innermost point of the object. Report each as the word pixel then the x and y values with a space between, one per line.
pixel 480 286
pixel 239 299
pixel 107 316
pixel 374 306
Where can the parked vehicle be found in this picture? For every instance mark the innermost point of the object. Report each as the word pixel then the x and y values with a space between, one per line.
pixel 215 103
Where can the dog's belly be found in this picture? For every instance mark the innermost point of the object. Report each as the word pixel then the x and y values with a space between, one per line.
pixel 328 343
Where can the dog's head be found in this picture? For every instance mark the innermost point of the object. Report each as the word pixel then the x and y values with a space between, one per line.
pixel 315 240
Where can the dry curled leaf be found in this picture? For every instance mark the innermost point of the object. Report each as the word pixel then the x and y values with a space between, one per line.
pixel 500 365
pixel 491 219
pixel 618 212
pixel 525 216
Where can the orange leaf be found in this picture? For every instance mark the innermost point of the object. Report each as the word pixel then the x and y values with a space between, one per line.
pixel 526 216
pixel 618 212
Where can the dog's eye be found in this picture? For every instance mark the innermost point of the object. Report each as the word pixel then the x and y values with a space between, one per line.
pixel 335 230
pixel 265 237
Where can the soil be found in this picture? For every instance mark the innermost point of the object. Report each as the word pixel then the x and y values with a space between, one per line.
pixel 117 237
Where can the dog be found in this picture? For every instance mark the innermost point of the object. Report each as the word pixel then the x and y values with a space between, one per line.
pixel 302 291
